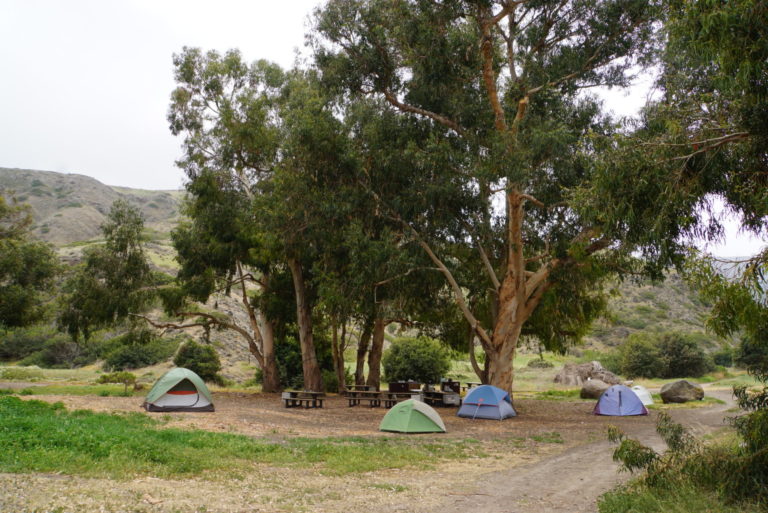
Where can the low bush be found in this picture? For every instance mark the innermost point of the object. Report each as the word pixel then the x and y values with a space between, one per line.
pixel 420 359
pixel 136 349
pixel 668 355
pixel 200 359
pixel 538 363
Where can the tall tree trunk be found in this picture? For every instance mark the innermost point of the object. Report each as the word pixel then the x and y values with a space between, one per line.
pixel 362 350
pixel 270 375
pixel 338 344
pixel 374 358
pixel 262 346
pixel 313 380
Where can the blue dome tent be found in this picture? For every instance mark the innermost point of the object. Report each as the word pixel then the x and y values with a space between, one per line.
pixel 487 402
pixel 620 401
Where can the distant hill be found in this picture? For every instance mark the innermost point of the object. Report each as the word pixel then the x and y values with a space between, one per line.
pixel 70 208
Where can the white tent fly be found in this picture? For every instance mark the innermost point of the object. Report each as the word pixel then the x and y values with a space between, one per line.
pixel 643 394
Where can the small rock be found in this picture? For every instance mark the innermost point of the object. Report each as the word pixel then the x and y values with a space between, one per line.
pixel 151 500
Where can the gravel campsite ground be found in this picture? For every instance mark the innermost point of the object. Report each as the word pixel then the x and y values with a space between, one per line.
pixel 553 457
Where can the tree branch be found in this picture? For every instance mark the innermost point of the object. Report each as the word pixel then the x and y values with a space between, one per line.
pixel 416 110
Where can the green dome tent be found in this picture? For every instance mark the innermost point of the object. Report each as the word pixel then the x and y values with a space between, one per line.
pixel 179 389
pixel 412 417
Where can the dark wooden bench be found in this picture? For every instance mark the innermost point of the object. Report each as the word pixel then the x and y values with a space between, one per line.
pixel 299 399
pixel 356 397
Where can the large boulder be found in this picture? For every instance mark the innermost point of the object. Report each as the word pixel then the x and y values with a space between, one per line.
pixel 593 389
pixel 681 392
pixel 574 374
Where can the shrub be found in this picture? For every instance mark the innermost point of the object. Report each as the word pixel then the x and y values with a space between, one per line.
pixel 60 352
pixel 136 349
pixel 683 357
pixel 420 359
pixel 640 357
pixel 723 357
pixel 200 359
pixel 125 378
pixel 19 343
pixel 669 355
pixel 538 363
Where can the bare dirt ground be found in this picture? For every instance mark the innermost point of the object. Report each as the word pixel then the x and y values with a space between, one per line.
pixel 530 472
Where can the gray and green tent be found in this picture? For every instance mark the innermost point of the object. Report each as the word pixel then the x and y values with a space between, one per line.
pixel 412 416
pixel 179 390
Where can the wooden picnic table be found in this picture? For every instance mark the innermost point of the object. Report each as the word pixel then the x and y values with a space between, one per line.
pixel 375 398
pixel 471 384
pixel 302 398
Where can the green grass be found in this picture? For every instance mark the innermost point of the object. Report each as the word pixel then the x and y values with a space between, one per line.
pixel 677 499
pixel 40 437
pixel 559 395
pixel 100 390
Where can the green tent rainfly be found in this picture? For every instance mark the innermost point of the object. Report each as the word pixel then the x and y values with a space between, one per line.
pixel 179 389
pixel 412 416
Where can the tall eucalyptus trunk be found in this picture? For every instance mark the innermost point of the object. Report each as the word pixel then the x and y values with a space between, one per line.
pixel 362 351
pixel 313 380
pixel 374 358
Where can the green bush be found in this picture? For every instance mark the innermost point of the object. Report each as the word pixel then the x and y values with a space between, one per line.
pixel 124 378
pixel 19 343
pixel 60 352
pixel 136 349
pixel 201 359
pixel 639 357
pixel 683 357
pixel 420 359
pixel 723 357
pixel 669 355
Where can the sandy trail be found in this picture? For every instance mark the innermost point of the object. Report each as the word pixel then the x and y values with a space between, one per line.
pixel 572 481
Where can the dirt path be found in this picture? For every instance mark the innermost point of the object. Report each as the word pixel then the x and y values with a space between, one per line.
pixel 572 481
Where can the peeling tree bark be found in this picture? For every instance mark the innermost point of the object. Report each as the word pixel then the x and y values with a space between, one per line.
pixel 313 380
pixel 374 358
pixel 362 351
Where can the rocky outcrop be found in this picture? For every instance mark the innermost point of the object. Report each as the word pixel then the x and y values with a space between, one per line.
pixel 593 389
pixel 574 374
pixel 681 392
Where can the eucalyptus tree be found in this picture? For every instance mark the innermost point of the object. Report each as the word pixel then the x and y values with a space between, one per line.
pixel 704 138
pixel 27 267
pixel 115 279
pixel 498 88
pixel 225 111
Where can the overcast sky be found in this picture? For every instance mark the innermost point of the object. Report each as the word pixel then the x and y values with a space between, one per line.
pixel 85 85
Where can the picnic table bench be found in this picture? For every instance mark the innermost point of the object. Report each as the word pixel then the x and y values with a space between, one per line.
pixel 375 398
pixel 302 399
pixel 470 385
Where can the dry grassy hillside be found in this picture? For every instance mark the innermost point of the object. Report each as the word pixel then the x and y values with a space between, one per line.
pixel 69 208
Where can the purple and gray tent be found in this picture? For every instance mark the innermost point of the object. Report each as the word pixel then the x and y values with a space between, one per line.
pixel 620 401
pixel 487 402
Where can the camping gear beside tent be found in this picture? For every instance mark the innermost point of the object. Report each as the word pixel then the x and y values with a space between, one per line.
pixel 643 394
pixel 620 401
pixel 487 402
pixel 412 417
pixel 179 389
